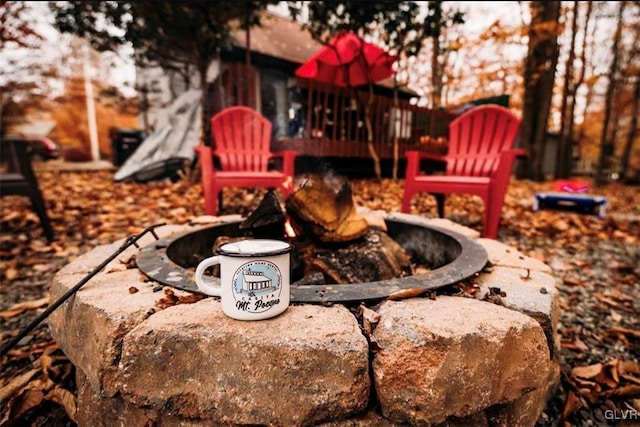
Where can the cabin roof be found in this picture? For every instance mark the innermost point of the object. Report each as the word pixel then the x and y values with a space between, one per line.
pixel 278 37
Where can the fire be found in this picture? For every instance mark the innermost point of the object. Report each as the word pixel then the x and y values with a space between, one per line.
pixel 288 229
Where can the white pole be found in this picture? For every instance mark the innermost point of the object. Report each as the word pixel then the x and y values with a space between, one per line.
pixel 91 108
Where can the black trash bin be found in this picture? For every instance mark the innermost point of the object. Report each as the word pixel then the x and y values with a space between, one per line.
pixel 124 141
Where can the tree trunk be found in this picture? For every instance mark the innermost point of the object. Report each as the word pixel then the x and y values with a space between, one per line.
pixel 605 142
pixel 248 73
pixel 436 69
pixel 436 73
pixel 563 152
pixel 580 80
pixel 633 132
pixel 539 78
pixel 204 105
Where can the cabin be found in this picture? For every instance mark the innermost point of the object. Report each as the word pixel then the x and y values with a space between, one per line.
pixel 323 123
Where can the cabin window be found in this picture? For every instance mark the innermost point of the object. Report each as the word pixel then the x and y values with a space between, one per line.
pixel 281 103
pixel 401 124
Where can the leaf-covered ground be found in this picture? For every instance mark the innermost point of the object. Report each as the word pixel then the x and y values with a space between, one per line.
pixel 596 260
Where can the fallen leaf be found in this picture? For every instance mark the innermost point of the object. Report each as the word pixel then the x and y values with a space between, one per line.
pixel 16 384
pixel 11 273
pixel 615 316
pixel 21 307
pixel 24 402
pixel 64 398
pixel 574 282
pixel 421 269
pixel 628 367
pixel 588 372
pixel 619 296
pixel 625 391
pixel 561 225
pixel 584 383
pixel 590 393
pixel 630 378
pixel 190 299
pixel 619 329
pixel 609 375
pixel 42 384
pixel 45 364
pixel 538 256
pixel 129 262
pixel 571 405
pixel 370 315
pixel 468 288
pixel 606 300
pixel 370 318
pixel 170 299
pixel 405 293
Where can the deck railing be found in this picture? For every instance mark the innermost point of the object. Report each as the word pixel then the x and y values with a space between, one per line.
pixel 334 125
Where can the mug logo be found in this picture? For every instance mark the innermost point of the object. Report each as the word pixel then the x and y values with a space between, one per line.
pixel 256 286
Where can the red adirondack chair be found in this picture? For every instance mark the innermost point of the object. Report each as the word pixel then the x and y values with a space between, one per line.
pixel 479 161
pixel 242 137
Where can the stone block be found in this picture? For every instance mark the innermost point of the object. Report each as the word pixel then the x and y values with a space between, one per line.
pixel 531 292
pixel 421 220
pixel 368 418
pixel 96 410
pixel 454 357
pixel 90 325
pixel 525 411
pixel 308 365
pixel 500 254
pixel 447 224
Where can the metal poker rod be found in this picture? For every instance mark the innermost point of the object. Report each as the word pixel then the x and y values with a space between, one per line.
pixel 131 240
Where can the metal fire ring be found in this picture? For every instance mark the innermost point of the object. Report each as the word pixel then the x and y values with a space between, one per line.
pixel 155 262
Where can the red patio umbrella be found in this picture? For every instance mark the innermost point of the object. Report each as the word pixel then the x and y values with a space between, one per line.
pixel 348 61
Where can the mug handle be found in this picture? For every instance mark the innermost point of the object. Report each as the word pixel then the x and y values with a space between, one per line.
pixel 208 287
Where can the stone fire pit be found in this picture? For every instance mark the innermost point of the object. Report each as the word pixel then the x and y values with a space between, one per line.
pixel 428 361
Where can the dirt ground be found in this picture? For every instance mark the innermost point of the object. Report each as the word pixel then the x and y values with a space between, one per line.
pixel 597 262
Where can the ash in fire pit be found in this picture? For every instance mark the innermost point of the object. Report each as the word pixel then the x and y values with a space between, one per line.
pixel 339 256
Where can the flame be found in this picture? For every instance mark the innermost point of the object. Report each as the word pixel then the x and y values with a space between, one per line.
pixel 288 229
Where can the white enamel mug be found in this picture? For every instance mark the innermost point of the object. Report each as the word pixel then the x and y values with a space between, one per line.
pixel 254 278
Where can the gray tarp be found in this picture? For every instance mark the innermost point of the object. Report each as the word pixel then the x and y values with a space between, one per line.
pixel 175 139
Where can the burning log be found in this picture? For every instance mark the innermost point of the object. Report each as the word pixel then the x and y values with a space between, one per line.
pixel 268 219
pixel 335 241
pixel 371 258
pixel 323 208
